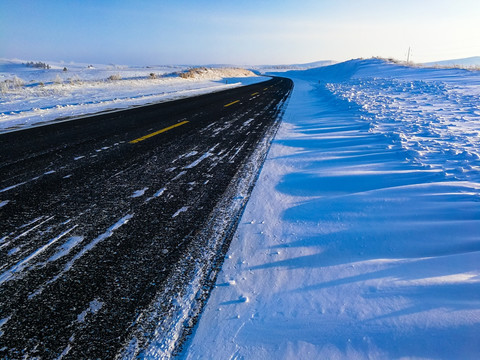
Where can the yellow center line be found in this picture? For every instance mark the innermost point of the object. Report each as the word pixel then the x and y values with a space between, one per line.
pixel 256 93
pixel 157 132
pixel 233 102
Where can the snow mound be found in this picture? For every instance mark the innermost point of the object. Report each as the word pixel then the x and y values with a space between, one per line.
pixel 215 74
pixel 379 68
pixel 361 238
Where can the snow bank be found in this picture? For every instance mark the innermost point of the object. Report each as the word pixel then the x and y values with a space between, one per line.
pixel 215 73
pixel 31 96
pixel 361 239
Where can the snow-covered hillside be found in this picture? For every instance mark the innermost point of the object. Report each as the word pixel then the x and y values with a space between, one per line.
pixel 288 67
pixel 465 62
pixel 32 95
pixel 362 236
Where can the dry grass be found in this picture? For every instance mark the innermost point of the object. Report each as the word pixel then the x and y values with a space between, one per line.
pixel 193 73
pixel 203 72
pixel 114 77
pixel 11 84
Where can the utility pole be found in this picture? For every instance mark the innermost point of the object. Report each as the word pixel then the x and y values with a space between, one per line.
pixel 408 55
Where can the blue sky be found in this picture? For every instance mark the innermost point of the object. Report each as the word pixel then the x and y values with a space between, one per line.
pixel 237 32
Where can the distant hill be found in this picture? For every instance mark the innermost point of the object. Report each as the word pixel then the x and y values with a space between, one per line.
pixel 471 61
pixel 312 65
pixel 288 67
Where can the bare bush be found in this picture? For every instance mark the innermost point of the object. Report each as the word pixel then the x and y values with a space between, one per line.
pixel 396 61
pixel 114 77
pixel 17 82
pixel 75 79
pixel 153 76
pixel 192 73
pixel 11 84
pixel 4 86
pixel 57 80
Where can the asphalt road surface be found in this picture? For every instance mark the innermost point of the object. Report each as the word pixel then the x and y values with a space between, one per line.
pixel 104 219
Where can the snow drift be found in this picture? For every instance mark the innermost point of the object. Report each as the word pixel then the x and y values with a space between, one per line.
pixel 362 236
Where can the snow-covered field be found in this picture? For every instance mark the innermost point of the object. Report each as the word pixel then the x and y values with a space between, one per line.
pixel 362 236
pixel 471 62
pixel 283 68
pixel 31 96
